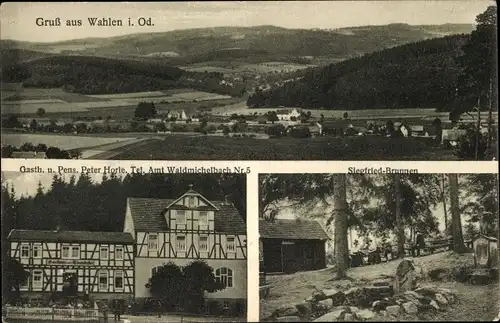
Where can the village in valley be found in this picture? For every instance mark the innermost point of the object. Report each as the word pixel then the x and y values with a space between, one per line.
pixel 337 247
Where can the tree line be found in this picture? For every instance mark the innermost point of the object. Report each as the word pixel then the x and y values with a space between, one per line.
pixel 404 203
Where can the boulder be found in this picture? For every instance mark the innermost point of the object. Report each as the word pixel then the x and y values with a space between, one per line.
pixel 382 304
pixel 286 311
pixel 353 309
pixel 405 276
pixel 410 308
pixel 393 310
pixel 382 283
pixel 441 300
pixel 318 296
pixel 304 308
pixel 365 315
pixel 309 299
pixel 429 291
pixel 337 296
pixel 288 319
pixel 326 304
pixel 335 315
pixel 434 305
pixel 348 317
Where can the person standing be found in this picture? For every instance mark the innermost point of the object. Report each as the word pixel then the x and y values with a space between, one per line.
pixel 420 242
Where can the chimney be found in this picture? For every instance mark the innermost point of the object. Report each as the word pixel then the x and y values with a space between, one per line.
pixel 227 200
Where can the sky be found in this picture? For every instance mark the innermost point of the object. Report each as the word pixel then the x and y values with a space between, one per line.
pixel 18 20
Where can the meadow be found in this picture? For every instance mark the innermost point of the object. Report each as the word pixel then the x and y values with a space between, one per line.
pixel 65 142
pixel 57 101
pixel 178 147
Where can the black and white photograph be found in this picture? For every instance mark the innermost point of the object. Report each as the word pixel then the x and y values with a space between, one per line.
pixel 378 247
pixel 256 80
pixel 138 248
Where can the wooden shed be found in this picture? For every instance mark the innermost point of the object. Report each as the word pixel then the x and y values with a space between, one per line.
pixel 292 245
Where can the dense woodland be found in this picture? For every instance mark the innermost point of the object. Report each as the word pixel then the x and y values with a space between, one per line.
pixel 416 75
pixel 384 204
pixel 97 75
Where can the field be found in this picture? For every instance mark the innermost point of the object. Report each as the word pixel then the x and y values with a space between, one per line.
pixel 57 101
pixel 229 68
pixel 185 147
pixel 476 303
pixel 64 142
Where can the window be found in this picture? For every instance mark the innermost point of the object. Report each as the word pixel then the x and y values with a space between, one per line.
pixel 118 253
pixel 191 201
pixel 226 304
pixel 153 242
pixel 103 280
pixel 203 219
pixel 37 251
pixel 65 252
pixel 118 279
pixel 181 217
pixel 225 276
pixel 203 243
pixel 230 244
pixel 37 278
pixel 75 252
pixel 25 251
pixel 104 253
pixel 181 243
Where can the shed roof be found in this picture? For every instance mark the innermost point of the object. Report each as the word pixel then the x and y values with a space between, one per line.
pixel 71 236
pixel 148 216
pixel 292 229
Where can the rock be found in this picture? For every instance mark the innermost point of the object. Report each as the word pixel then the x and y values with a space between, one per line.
pixel 304 307
pixel 309 299
pixel 434 305
pixel 410 308
pixel 288 319
pixel 429 291
pixel 393 310
pixel 326 303
pixel 405 276
pixel 353 309
pixel 337 296
pixel 335 315
pixel 382 304
pixel 365 315
pixel 348 317
pixel 286 311
pixel 441 300
pixel 318 296
pixel 381 283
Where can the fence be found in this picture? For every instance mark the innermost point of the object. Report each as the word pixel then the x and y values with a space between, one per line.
pixel 51 313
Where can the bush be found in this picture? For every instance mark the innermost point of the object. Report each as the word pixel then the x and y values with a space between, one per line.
pixel 300 132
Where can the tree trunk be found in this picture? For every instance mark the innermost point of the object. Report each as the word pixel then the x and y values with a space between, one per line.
pixel 443 197
pixel 340 220
pixel 458 239
pixel 478 135
pixel 399 223
pixel 490 114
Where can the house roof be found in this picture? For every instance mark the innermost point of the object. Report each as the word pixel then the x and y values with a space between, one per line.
pixel 292 229
pixel 147 214
pixel 71 236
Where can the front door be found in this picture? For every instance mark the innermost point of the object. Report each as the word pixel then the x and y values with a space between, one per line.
pixel 272 256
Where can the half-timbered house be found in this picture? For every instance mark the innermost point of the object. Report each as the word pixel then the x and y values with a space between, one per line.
pixel 292 245
pixel 186 229
pixel 98 263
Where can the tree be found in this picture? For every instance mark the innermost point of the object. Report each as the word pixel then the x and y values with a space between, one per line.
pixel 272 116
pixel 275 131
pixel 458 240
pixel 33 125
pixel 14 276
pixel 345 115
pixel 399 222
pixel 341 225
pixel 198 278
pixel 145 110
pixel 438 129
pixel 167 284
pixel 161 127
pixel 40 112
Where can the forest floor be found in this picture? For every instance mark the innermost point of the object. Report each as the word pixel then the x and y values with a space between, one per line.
pixel 474 302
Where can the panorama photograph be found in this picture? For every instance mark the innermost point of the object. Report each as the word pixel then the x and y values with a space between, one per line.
pixel 268 80
pixel 378 248
pixel 131 249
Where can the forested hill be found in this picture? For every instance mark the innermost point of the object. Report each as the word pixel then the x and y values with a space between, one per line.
pixel 416 75
pixel 98 75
